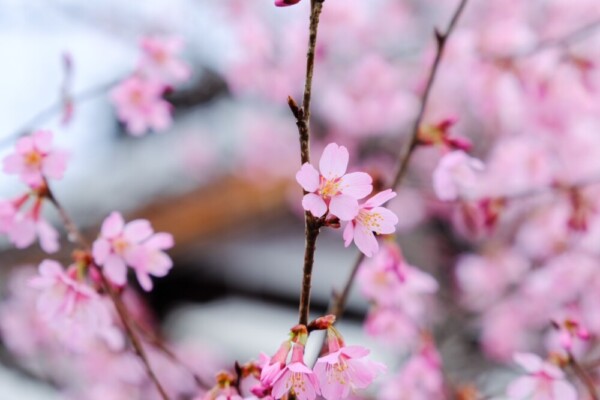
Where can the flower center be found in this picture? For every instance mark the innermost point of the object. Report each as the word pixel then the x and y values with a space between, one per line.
pixel 329 188
pixel 33 159
pixel 120 246
pixel 371 220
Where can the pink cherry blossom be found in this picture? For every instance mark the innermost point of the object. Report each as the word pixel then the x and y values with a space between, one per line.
pixel 72 309
pixel 159 60
pixel 23 228
pixel 371 219
pixel 544 381
pixel 296 378
pixel 274 365
pixel 344 369
pixel 285 3
pixel 140 105
pixel 332 189
pixel 134 244
pixel 455 175
pixel 34 159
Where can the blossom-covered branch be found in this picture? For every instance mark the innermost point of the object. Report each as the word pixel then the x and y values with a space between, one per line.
pixel 441 38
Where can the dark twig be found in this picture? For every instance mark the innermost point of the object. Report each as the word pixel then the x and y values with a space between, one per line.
pixel 339 300
pixel 312 225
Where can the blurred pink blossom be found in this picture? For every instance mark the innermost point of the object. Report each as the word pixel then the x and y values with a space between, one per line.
pixel 34 159
pixel 140 105
pixel 134 244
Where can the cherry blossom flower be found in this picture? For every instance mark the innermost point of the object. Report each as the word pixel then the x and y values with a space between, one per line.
pixel 345 368
pixel 332 189
pixel 544 381
pixel 72 309
pixel 273 365
pixel 371 219
pixel 455 175
pixel 285 3
pixel 23 228
pixel 134 244
pixel 34 159
pixel 296 378
pixel 159 60
pixel 140 105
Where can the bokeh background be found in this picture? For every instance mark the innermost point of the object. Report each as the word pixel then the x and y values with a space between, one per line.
pixel 221 178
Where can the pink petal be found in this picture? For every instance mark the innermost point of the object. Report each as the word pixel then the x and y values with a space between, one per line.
pixel 24 145
pixel 344 207
pixel 365 241
pixel 138 230
pixel 334 161
pixel 282 384
pixel 22 233
pixel 308 177
pixel 160 241
pixel 144 280
pixel 563 390
pixel 528 361
pixel 55 164
pixel 388 221
pixel 50 268
pixel 48 237
pixel 115 269
pixel 356 184
pixel 315 204
pixel 13 164
pixel 522 388
pixel 100 250
pixel 348 233
pixel 380 198
pixel 112 225
pixel 42 141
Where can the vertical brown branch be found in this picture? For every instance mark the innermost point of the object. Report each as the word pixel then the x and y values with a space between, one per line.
pixel 312 225
pixel 74 233
pixel 339 300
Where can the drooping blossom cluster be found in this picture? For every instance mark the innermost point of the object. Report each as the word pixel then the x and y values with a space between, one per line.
pixel 93 364
pixel 134 244
pixel 334 193
pixel 35 161
pixel 139 98
pixel 339 373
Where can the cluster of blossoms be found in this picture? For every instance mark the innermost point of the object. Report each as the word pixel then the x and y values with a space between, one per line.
pixel 35 161
pixel 139 98
pixel 335 194
pixel 134 244
pixel 45 330
pixel 337 374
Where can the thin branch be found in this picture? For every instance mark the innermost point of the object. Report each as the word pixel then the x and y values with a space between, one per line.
pixel 340 300
pixel 56 108
pixel 159 344
pixel 312 225
pixel 585 378
pixel 75 234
